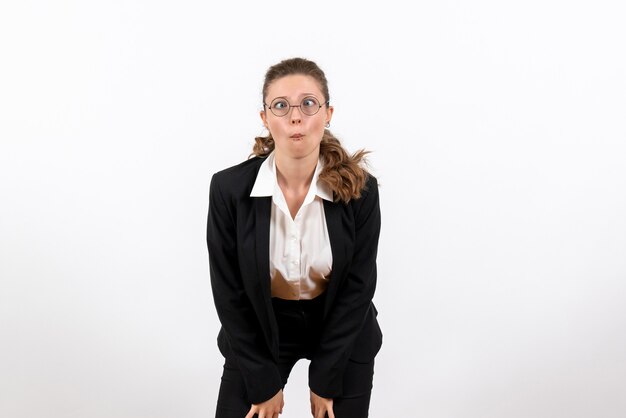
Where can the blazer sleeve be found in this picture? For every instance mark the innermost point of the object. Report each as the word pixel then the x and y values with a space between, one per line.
pixel 352 303
pixel 234 309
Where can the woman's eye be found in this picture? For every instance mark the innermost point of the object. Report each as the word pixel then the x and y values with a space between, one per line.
pixel 281 104
pixel 309 102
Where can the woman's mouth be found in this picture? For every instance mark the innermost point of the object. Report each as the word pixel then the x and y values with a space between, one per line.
pixel 296 136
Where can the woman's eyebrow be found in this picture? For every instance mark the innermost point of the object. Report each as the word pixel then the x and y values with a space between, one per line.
pixel 300 95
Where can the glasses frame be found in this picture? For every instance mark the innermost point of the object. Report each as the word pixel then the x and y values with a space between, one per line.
pixel 290 106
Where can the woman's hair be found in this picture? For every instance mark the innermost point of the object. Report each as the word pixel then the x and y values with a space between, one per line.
pixel 344 174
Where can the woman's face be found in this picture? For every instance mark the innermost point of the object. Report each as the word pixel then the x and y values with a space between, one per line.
pixel 296 134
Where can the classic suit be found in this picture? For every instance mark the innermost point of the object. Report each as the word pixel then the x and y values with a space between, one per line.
pixel 238 230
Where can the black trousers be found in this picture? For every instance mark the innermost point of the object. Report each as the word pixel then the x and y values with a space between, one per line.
pixel 299 324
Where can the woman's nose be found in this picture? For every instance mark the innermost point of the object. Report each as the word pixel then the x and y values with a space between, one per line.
pixel 296 118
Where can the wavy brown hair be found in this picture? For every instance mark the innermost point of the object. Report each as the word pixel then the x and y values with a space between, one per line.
pixel 343 173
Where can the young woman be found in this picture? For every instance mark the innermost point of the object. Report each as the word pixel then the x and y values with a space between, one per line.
pixel 292 236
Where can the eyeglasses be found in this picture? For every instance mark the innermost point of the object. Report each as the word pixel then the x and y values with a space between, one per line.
pixel 309 106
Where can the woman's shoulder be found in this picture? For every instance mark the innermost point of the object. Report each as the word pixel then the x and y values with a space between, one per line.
pixel 246 169
pixel 371 182
pixel 369 198
pixel 239 177
pixel 370 189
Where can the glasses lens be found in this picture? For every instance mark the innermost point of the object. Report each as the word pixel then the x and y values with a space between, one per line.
pixel 310 106
pixel 279 106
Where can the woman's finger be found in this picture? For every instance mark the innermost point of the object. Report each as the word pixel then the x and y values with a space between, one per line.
pixel 331 413
pixel 251 412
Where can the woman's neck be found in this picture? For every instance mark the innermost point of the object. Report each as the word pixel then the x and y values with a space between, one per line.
pixel 295 174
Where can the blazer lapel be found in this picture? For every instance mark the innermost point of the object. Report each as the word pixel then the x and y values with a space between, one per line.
pixel 338 245
pixel 262 209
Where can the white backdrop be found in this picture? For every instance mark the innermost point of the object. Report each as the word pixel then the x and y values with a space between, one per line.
pixel 498 137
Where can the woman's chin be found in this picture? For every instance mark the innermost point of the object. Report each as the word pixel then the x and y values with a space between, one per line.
pixel 296 146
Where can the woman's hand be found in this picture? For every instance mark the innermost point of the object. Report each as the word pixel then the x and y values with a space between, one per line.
pixel 270 408
pixel 320 406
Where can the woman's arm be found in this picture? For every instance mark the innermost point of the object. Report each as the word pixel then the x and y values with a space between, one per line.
pixel 353 300
pixel 234 309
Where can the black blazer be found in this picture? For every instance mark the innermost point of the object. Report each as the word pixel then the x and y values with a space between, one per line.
pixel 238 242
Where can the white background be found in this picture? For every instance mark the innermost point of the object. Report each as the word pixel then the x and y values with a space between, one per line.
pixel 498 136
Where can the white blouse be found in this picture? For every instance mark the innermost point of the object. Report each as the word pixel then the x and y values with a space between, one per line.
pixel 300 254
